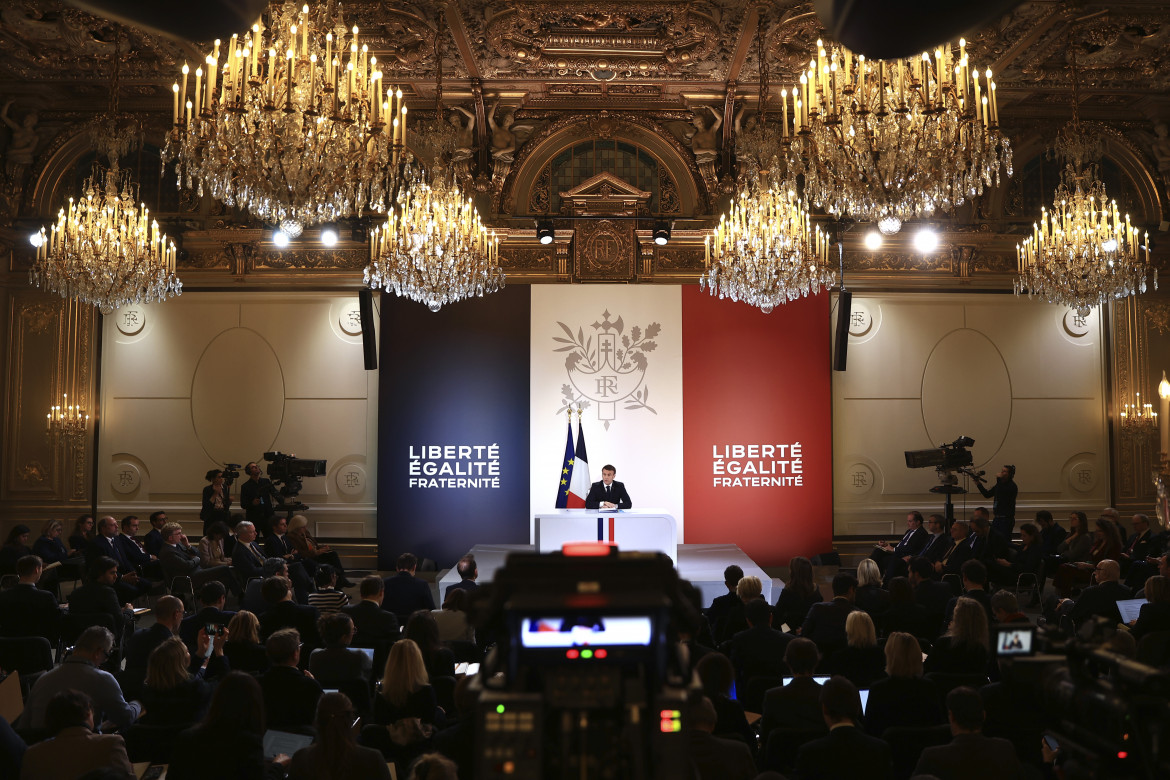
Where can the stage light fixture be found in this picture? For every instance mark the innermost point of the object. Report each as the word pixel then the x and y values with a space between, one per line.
pixel 280 239
pixel 661 233
pixel 873 240
pixel 544 231
pixel 329 235
pixel 926 241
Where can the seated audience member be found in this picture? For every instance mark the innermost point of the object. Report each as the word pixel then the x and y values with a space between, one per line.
pixel 231 736
pixel 749 588
pixel 432 766
pixel 452 618
pixel 335 754
pixel 861 661
pixel 337 661
pixel 904 697
pixel 939 543
pixel 903 613
pixel 1028 559
pixel 290 695
pixel 964 647
pixel 82 535
pixel 327 598
pixel 1101 598
pixel 959 553
pixel 717 676
pixel 242 648
pixel 14 548
pixel 799 594
pixel 172 694
pixel 1106 546
pixel 846 751
pixel 468 573
pixel 25 609
pixel 283 612
pixel 212 547
pixel 247 557
pixel 406 689
pixel 457 740
pixel 871 596
pixel 212 598
pixel 974 577
pixel 97 596
pixel 372 625
pixel 423 629
pixel 758 650
pixel 825 623
pixel 152 542
pixel 721 605
pixel 307 548
pixel 1052 533
pixel 1005 610
pixel 888 556
pixel 168 614
pixel 74 749
pixel 51 549
pixel 1155 613
pixel 129 584
pixel 179 559
pixel 797 705
pixel 987 543
pixel 716 758
pixel 403 593
pixel 300 570
pixel 80 671
pixel 132 550
pixel 930 594
pixel 970 754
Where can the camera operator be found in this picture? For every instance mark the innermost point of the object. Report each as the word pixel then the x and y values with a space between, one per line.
pixel 256 497
pixel 217 502
pixel 1003 494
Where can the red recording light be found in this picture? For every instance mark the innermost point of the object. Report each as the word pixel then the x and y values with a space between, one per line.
pixel 572 654
pixel 588 549
pixel 600 653
pixel 667 726
pixel 1122 755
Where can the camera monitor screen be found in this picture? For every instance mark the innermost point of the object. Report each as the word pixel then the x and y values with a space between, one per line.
pixel 1015 641
pixel 581 631
pixel 819 679
pixel 864 693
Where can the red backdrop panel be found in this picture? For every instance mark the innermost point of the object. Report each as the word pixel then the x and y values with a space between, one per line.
pixel 754 385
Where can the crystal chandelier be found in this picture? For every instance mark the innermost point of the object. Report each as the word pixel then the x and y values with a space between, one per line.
pixel 891 140
pixel 433 248
pixel 104 248
pixel 765 250
pixel 1082 253
pixel 1138 419
pixel 66 423
pixel 291 123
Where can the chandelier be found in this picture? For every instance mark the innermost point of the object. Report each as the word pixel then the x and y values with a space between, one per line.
pixel 104 248
pixel 891 140
pixel 1138 419
pixel 291 123
pixel 66 423
pixel 765 250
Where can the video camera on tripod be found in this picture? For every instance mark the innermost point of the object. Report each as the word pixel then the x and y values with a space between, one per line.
pixel 946 459
pixel 287 471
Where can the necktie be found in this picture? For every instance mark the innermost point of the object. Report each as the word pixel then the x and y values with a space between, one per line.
pixel 928 544
pixel 255 552
pixel 607 490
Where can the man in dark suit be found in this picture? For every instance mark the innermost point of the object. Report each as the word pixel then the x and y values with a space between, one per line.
pixel 128 584
pixel 468 572
pixel 1100 599
pixel 97 596
pixel 168 612
pixel 1141 545
pixel 987 544
pixel 847 751
pixel 795 706
pixel 959 553
pixel 929 593
pixel 180 559
pixel 970 754
pixel 247 557
pixel 290 695
pixel 403 593
pixel 939 543
pixel 608 494
pixel 283 612
pixel 825 623
pixel 25 609
pixel 974 576
pixel 373 626
pixel 133 552
pixel 885 554
pixel 153 540
pixel 1003 495
pixel 758 651
pixel 212 597
pixel 721 605
pixel 716 758
pixel 1051 532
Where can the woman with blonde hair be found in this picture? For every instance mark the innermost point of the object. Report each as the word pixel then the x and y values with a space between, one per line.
pixel 243 649
pixel 51 549
pixel 172 695
pixel 871 596
pixel 904 697
pixel 735 620
pixel 963 649
pixel 406 689
pixel 861 660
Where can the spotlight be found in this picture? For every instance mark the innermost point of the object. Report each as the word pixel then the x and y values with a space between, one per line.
pixel 280 239
pixel 544 231
pixel 329 235
pixel 873 240
pixel 37 239
pixel 661 233
pixel 926 241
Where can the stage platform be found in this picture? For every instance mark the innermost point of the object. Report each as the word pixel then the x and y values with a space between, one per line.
pixel 702 564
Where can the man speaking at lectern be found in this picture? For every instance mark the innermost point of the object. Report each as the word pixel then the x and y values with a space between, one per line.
pixel 608 494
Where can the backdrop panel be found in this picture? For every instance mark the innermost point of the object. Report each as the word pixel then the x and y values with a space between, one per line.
pixel 453 437
pixel 757 430
pixel 617 351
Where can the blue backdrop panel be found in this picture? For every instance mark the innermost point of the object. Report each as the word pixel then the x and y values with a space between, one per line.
pixel 453 426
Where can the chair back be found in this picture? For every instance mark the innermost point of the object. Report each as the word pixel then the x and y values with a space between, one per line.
pixel 907 742
pixel 783 746
pixel 360 693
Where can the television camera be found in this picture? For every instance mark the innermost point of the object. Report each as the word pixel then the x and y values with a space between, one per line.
pixel 286 472
pixel 946 459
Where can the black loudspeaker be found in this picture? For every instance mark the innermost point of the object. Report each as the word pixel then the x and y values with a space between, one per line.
pixel 841 337
pixel 369 336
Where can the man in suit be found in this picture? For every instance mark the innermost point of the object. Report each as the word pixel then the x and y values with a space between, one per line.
pixel 1052 533
pixel 885 554
pixel 758 651
pixel 825 623
pixel 180 559
pixel 283 612
pixel 212 597
pixel 1099 599
pixel 133 552
pixel 716 758
pixel 247 558
pixel 403 593
pixel 1003 496
pixel 290 695
pixel 974 575
pixel 846 751
pixel 939 542
pixel 128 584
pixel 722 605
pixel 468 572
pixel 373 626
pixel 25 609
pixel 929 593
pixel 153 540
pixel 168 613
pixel 797 705
pixel 959 552
pixel 608 494
pixel 301 570
pixel 1141 545
pixel 256 496
pixel 74 750
pixel 970 754
pixel 97 596
pixel 987 544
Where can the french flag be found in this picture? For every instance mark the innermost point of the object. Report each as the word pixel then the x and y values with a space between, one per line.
pixel 580 483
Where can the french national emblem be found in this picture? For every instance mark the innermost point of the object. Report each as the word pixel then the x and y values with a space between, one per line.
pixel 607 367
